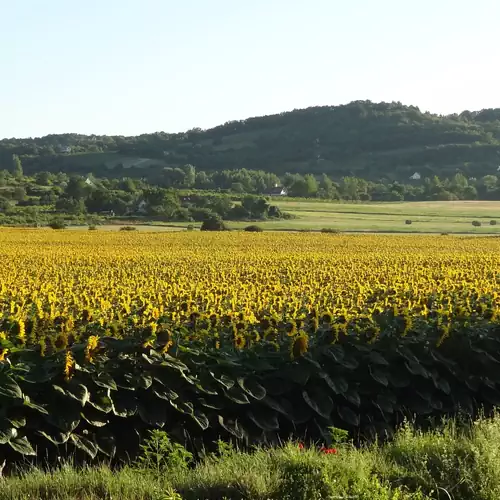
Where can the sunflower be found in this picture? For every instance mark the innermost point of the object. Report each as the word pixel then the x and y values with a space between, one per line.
pixel 92 344
pixel 239 341
pixel 299 346
pixel 69 365
pixel 3 353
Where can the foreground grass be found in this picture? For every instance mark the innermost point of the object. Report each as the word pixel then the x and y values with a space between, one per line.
pixel 450 463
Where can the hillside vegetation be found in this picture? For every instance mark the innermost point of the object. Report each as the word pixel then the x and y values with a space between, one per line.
pixel 369 140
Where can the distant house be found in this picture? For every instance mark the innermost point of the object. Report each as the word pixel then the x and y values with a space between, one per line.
pixel 498 169
pixel 89 182
pixel 278 191
pixel 64 149
pixel 415 177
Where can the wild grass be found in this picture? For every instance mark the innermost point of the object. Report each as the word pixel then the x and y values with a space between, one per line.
pixel 458 462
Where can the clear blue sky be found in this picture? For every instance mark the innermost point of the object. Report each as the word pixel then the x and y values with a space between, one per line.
pixel 135 66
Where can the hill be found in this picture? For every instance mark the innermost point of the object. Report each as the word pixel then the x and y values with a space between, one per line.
pixel 370 140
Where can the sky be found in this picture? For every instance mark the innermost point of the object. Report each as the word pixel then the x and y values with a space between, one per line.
pixel 125 67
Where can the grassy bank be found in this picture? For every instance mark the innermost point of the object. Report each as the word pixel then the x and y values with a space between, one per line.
pixel 450 463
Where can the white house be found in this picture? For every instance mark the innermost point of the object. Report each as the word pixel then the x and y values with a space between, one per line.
pixel 64 149
pixel 415 177
pixel 89 182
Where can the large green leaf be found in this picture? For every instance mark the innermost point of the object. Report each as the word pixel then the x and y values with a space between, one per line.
pixel 55 437
pixel 277 406
pixel 106 442
pixel 166 394
pixel 415 368
pixel 124 404
pixel 319 401
pixel 379 376
pixel 40 409
pixel 22 446
pixel 377 359
pixel 223 380
pixel 335 352
pixel 101 400
pixel 266 420
pixel 6 434
pixel 232 426
pixel 9 388
pixel 201 419
pixel 183 407
pixel 252 388
pixel 337 384
pixel 237 396
pixel 79 392
pixel 153 412
pixel 95 417
pixel 353 397
pixel 105 380
pixel 347 415
pixel 298 373
pixel 85 444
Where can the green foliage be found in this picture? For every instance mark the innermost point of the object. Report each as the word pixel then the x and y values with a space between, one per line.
pixel 58 223
pixel 254 229
pixel 128 228
pixel 213 223
pixel 476 223
pixel 493 222
pixel 159 453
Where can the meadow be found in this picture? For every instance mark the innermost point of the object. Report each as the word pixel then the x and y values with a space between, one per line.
pixel 242 338
pixel 426 217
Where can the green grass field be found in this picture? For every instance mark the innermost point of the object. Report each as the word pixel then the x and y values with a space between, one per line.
pixel 426 217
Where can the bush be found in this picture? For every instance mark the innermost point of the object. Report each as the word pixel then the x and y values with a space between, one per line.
pixel 254 229
pixel 476 223
pixel 408 221
pixel 92 227
pixel 493 222
pixel 128 228
pixel 190 227
pixel 330 230
pixel 57 224
pixel 213 223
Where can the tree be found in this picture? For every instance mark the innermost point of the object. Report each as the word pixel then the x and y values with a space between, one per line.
pixel 17 167
pixel 76 188
pixel 189 175
pixel 213 223
pixel 256 206
pixel 19 193
pixel 43 178
pixel 312 184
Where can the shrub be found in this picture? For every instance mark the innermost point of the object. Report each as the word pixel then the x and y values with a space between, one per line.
pixel 476 223
pixel 92 227
pixel 57 224
pixel 254 229
pixel 213 223
pixel 408 221
pixel 493 222
pixel 128 228
pixel 190 227
pixel 330 230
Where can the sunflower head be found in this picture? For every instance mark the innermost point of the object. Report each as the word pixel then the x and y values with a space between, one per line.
pixel 69 365
pixel 299 346
pixel 239 341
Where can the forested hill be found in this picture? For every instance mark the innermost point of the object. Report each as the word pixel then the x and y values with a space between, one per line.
pixel 374 141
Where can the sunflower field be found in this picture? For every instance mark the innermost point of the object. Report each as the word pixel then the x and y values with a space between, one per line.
pixel 240 336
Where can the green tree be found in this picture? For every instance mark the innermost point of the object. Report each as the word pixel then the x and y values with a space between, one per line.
pixel 189 175
pixel 17 167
